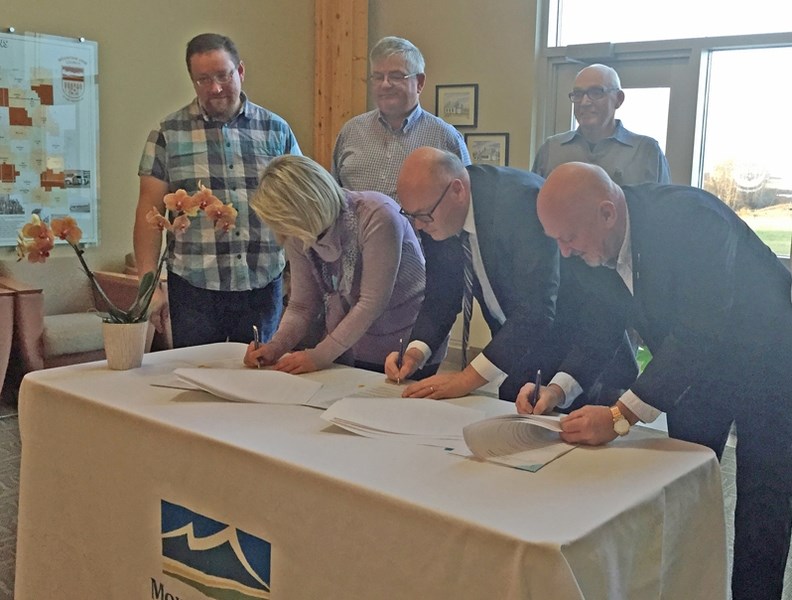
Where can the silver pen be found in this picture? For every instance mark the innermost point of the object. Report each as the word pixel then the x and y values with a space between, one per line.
pixel 256 344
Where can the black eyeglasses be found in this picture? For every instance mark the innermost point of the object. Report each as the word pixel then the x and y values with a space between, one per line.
pixel 594 93
pixel 427 216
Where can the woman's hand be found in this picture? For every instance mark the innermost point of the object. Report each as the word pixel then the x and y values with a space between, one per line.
pixel 264 356
pixel 296 363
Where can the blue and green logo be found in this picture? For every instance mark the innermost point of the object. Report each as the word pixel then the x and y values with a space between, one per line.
pixel 219 560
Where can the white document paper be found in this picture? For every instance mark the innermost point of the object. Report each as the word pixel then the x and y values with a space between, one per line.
pixel 252 385
pixel 526 442
pixel 413 420
pixel 169 378
pixel 340 382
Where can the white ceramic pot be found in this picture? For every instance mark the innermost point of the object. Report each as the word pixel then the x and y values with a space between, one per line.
pixel 124 344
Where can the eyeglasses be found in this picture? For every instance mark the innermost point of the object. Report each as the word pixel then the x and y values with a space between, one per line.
pixel 427 216
pixel 394 77
pixel 222 79
pixel 594 93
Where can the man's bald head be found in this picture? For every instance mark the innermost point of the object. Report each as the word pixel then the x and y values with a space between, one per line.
pixel 584 211
pixel 600 74
pixel 434 182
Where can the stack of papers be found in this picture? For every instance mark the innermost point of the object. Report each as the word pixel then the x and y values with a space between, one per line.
pixel 412 420
pixel 526 442
pixel 319 389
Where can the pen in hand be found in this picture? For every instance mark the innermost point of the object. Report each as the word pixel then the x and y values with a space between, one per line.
pixel 399 359
pixel 537 386
pixel 256 344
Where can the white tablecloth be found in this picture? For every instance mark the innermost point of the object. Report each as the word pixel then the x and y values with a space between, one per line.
pixel 104 453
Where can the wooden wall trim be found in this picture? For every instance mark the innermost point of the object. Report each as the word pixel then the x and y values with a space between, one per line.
pixel 341 68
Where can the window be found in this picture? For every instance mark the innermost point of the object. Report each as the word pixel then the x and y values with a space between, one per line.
pixel 747 160
pixel 572 21
pixel 647 111
pixel 727 94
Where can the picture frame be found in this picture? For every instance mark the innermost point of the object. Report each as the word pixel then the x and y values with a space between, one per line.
pixel 457 104
pixel 488 148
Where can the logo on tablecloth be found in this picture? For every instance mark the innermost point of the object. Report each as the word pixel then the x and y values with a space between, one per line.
pixel 215 558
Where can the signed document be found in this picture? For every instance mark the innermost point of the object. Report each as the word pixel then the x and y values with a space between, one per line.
pixel 411 420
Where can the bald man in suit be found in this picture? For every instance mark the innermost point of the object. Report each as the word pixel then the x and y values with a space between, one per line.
pixel 712 303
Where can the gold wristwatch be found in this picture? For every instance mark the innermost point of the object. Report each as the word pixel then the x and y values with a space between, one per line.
pixel 620 425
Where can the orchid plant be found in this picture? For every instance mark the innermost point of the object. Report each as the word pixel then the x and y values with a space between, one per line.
pixel 37 238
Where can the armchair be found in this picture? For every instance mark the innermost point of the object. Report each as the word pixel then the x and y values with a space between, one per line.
pixel 41 340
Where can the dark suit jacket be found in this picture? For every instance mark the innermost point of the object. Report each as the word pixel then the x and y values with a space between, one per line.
pixel 522 265
pixel 711 301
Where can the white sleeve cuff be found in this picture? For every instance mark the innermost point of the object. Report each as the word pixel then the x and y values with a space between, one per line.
pixel 484 367
pixel 571 388
pixel 424 348
pixel 641 409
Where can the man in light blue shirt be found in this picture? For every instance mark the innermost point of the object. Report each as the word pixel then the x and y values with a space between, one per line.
pixel 371 147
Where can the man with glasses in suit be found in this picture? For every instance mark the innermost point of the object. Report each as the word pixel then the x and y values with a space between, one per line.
pixel 485 216
pixel 600 138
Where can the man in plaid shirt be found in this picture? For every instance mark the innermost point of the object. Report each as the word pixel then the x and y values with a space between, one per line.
pixel 220 284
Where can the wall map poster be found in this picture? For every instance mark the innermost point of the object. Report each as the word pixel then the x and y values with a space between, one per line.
pixel 49 132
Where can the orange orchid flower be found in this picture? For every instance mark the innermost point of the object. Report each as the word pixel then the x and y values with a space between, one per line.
pixel 205 198
pixel 157 220
pixel 180 202
pixel 181 223
pixel 67 229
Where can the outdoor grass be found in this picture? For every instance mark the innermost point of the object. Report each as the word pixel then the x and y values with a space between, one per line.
pixel 777 240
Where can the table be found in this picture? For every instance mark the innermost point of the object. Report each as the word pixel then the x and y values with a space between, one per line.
pixel 112 466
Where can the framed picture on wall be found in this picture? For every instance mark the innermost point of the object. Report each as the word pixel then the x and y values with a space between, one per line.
pixel 457 104
pixel 488 148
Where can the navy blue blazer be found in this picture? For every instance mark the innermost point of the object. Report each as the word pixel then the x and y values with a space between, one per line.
pixel 711 300
pixel 523 268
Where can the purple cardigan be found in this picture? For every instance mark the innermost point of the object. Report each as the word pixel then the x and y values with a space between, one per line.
pixel 365 274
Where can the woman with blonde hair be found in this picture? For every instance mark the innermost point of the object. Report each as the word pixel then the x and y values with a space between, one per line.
pixel 354 261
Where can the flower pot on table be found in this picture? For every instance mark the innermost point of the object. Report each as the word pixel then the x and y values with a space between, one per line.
pixel 124 344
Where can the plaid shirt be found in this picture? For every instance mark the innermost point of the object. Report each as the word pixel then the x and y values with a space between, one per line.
pixel 368 154
pixel 189 149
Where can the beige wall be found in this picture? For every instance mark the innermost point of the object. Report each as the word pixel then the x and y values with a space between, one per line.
pixel 470 41
pixel 143 77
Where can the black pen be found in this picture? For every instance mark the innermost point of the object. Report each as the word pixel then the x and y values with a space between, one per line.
pixel 400 359
pixel 537 386
pixel 256 344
